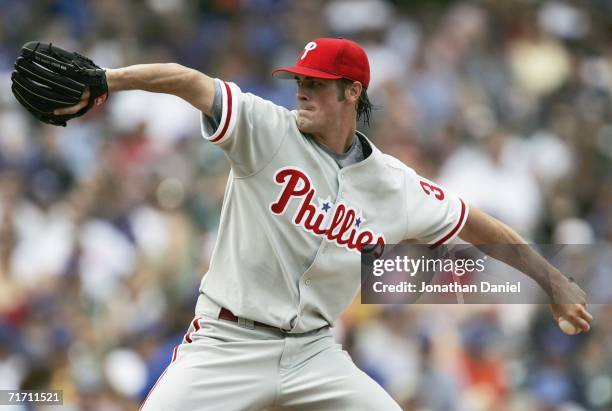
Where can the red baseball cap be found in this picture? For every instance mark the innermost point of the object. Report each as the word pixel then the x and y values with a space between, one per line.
pixel 332 59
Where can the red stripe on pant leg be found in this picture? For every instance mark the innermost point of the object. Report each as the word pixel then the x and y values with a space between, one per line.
pixel 196 324
pixel 196 327
pixel 152 388
pixel 174 353
pixel 187 337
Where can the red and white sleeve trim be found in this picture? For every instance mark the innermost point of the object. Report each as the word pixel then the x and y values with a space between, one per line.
pixel 463 214
pixel 229 114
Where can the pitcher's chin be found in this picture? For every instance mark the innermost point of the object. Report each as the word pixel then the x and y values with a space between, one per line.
pixel 303 124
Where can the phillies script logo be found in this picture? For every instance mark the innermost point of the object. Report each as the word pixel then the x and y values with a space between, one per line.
pixel 339 224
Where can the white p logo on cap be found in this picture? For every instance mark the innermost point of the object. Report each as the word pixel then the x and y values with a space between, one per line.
pixel 309 47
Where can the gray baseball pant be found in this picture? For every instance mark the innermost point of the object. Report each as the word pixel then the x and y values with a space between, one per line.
pixel 224 366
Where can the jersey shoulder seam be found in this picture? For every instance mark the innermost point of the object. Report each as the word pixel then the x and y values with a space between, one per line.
pixel 393 162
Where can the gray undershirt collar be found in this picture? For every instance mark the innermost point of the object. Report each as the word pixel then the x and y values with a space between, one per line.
pixel 353 155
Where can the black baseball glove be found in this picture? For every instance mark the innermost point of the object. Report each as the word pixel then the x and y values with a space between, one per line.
pixel 47 77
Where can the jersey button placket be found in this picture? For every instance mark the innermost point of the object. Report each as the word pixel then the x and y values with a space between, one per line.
pixel 307 282
pixel 340 196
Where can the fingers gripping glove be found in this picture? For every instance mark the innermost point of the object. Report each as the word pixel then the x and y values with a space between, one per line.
pixel 47 77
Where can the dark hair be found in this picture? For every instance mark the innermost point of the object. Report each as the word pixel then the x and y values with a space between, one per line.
pixel 364 106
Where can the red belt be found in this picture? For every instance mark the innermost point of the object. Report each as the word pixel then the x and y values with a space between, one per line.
pixel 227 315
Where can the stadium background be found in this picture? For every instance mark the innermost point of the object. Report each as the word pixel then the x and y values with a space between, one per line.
pixel 106 226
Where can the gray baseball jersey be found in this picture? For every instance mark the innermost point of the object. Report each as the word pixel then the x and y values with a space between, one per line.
pixel 293 222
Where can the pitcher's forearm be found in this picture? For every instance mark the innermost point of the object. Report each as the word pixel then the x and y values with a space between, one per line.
pixel 503 243
pixel 169 78
pixel 524 258
pixel 158 78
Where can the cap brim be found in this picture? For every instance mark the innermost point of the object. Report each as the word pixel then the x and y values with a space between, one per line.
pixel 291 72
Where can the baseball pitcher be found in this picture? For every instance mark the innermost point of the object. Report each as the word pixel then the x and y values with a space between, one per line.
pixel 307 193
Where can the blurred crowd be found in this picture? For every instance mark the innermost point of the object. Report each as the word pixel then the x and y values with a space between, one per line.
pixel 107 225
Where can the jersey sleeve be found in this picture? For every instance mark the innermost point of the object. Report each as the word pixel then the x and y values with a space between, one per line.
pixel 250 129
pixel 435 215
